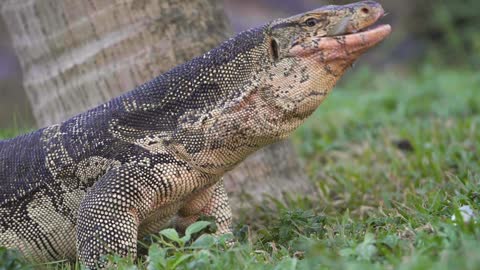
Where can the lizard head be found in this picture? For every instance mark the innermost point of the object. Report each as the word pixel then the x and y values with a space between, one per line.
pixel 328 32
pixel 310 52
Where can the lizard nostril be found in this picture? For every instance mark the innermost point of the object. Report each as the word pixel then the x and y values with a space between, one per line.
pixel 365 10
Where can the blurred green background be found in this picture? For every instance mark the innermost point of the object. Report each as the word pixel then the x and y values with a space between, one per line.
pixel 441 32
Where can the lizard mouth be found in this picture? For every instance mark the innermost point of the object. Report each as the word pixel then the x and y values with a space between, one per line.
pixel 349 44
pixel 355 43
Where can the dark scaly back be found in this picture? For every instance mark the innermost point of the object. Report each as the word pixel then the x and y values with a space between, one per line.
pixel 22 166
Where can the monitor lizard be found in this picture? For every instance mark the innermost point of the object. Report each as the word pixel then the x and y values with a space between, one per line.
pixel 95 183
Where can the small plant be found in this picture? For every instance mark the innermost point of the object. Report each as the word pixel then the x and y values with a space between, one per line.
pixel 172 250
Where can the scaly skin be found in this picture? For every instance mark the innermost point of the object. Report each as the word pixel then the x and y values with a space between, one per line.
pixel 95 183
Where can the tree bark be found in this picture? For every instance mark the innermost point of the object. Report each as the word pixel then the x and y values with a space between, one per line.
pixel 78 54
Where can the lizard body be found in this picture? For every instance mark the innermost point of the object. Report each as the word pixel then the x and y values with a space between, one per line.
pixel 95 183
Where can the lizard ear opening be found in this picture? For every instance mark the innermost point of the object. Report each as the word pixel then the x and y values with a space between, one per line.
pixel 274 49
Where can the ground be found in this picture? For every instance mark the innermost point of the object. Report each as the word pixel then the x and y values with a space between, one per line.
pixel 393 156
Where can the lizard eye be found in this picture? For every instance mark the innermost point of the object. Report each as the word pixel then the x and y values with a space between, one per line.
pixel 311 22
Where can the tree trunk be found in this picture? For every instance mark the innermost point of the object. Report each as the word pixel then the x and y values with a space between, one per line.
pixel 78 54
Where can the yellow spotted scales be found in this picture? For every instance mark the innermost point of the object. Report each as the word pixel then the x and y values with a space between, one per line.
pixel 153 157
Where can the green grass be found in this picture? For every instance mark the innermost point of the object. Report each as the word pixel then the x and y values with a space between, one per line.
pixel 393 156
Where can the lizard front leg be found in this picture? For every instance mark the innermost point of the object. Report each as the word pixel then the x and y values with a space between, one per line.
pixel 132 200
pixel 108 217
pixel 210 202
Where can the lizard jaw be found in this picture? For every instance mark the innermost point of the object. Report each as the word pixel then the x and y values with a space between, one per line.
pixel 344 47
